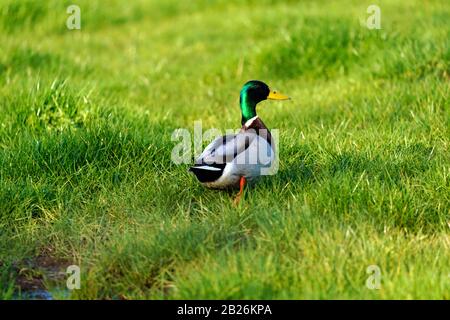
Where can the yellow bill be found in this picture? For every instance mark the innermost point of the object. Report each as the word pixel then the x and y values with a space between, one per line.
pixel 273 95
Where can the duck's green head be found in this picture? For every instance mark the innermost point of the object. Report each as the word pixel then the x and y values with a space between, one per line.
pixel 252 93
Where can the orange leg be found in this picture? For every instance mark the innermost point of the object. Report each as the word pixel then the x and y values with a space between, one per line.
pixel 242 182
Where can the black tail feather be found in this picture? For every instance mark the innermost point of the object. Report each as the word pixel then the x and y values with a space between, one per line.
pixel 205 175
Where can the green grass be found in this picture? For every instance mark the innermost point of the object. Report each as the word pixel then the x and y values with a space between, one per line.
pixel 86 175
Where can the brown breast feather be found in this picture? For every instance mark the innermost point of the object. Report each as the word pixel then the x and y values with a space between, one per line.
pixel 260 129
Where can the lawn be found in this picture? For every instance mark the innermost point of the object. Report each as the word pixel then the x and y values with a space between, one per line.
pixel 87 178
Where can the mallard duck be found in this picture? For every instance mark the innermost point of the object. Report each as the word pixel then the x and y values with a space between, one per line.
pixel 232 160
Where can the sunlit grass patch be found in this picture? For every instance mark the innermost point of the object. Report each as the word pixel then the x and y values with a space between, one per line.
pixel 86 175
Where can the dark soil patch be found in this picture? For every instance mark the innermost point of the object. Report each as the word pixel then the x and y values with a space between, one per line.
pixel 33 274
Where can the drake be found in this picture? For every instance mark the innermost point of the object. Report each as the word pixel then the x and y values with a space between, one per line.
pixel 232 160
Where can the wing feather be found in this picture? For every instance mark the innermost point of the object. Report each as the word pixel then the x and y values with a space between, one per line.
pixel 224 149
